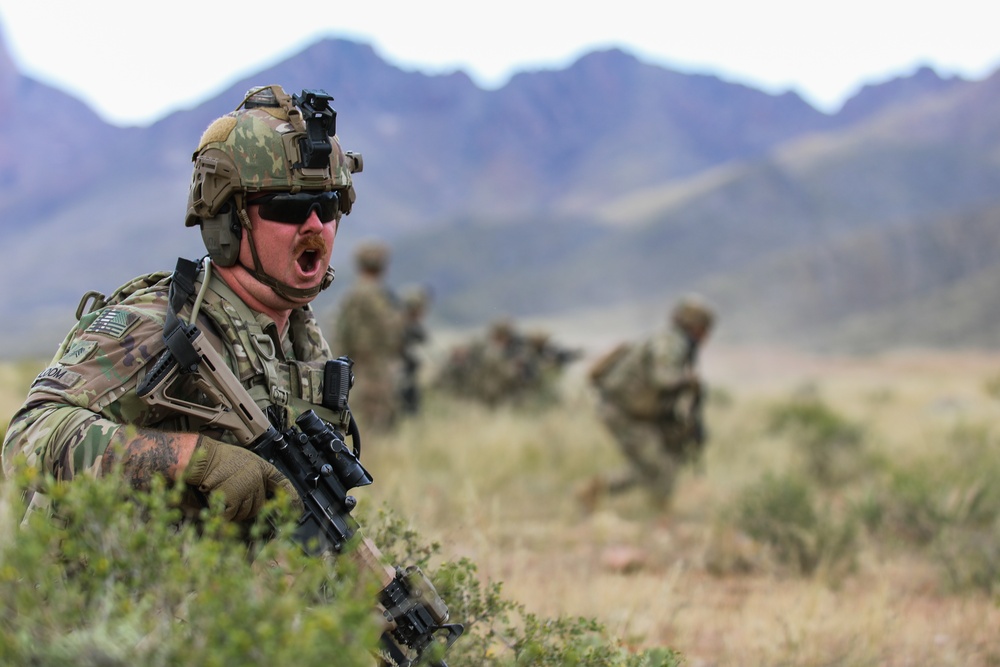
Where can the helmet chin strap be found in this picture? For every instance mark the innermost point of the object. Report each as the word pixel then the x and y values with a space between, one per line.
pixel 284 290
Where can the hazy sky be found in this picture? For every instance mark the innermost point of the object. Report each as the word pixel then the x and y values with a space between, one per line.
pixel 134 61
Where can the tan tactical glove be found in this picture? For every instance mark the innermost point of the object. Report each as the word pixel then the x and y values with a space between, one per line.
pixel 244 479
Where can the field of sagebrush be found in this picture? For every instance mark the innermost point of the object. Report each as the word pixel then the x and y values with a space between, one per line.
pixel 845 512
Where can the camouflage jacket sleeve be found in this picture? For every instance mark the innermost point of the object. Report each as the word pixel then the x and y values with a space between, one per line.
pixel 80 405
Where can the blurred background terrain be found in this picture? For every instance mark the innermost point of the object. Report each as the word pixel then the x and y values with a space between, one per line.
pixel 586 197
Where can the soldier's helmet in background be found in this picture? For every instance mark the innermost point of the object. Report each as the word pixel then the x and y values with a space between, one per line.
pixel 501 329
pixel 538 338
pixel 693 313
pixel 371 256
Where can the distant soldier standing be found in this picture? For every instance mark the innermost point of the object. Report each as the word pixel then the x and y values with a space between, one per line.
pixel 650 400
pixel 414 305
pixel 368 329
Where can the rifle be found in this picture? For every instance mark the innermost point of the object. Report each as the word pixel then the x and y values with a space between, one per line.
pixel 314 457
pixel 681 421
pixel 699 435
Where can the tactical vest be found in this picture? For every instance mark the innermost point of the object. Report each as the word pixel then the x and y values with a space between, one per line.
pixel 291 379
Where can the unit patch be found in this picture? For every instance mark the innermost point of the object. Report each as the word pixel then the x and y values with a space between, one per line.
pixel 61 377
pixel 77 352
pixel 114 323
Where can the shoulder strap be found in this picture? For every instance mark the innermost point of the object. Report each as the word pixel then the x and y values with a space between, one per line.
pixel 177 333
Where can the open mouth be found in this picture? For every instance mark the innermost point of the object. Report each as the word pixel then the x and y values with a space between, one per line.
pixel 308 262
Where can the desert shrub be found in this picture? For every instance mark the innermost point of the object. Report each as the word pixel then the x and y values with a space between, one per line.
pixel 953 487
pixel 970 557
pixel 118 579
pixel 830 444
pixel 781 512
pixel 500 632
pixel 948 504
pixel 910 507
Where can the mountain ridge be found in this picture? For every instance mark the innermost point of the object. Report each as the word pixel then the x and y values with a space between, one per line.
pixel 609 180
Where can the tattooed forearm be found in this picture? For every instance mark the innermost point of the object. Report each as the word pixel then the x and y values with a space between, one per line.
pixel 144 455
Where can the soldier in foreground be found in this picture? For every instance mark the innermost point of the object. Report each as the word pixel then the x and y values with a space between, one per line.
pixel 650 398
pixel 195 376
pixel 368 328
pixel 268 258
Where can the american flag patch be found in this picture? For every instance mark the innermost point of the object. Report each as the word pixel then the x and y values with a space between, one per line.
pixel 114 323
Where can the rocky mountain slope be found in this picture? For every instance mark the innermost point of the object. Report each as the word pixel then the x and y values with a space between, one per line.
pixel 609 181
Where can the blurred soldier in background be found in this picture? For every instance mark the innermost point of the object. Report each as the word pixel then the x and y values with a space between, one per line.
pixel 486 368
pixel 506 367
pixel 415 301
pixel 544 363
pixel 650 400
pixel 368 328
pixel 497 365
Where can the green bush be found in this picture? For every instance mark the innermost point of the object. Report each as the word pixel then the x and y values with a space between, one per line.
pixel 500 632
pixel 830 444
pixel 948 504
pixel 781 512
pixel 117 578
pixel 970 557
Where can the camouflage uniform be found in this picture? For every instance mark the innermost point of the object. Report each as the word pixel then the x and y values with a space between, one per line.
pixel 506 366
pixel 650 402
pixel 368 328
pixel 85 400
pixel 414 335
pixel 85 403
pixel 544 363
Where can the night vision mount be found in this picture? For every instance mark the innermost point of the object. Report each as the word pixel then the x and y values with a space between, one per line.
pixel 321 124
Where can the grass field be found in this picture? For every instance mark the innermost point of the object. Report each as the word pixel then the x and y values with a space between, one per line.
pixel 500 487
pixel 899 564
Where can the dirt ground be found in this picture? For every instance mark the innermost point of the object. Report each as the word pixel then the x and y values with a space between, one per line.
pixel 647 576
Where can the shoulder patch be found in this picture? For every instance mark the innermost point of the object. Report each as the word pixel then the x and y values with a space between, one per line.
pixel 56 375
pixel 114 322
pixel 78 352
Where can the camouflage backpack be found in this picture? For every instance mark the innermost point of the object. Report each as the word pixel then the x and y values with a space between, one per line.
pixel 94 300
pixel 599 370
pixel 624 379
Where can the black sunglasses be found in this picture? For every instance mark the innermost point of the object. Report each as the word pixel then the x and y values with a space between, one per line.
pixel 296 208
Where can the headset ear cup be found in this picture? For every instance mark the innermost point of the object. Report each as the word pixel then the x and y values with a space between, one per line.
pixel 222 235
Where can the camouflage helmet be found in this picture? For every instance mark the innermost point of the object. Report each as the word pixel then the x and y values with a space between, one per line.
pixel 371 255
pixel 271 142
pixel 538 338
pixel 692 313
pixel 501 328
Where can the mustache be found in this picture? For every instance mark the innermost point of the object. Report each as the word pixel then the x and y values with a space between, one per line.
pixel 315 242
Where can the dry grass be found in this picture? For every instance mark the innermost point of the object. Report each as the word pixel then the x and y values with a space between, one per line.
pixel 499 488
pixel 15 378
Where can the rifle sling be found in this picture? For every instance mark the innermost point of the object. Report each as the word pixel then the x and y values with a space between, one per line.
pixel 176 332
